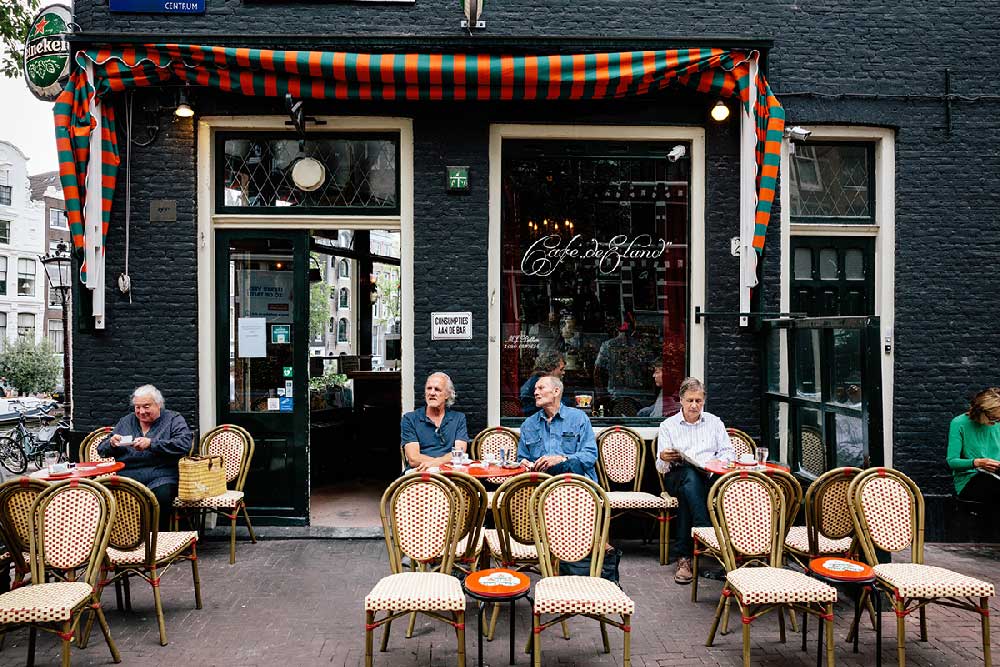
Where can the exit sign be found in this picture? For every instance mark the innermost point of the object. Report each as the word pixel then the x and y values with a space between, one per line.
pixel 458 179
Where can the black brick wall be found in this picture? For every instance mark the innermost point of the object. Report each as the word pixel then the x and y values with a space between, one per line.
pixel 946 197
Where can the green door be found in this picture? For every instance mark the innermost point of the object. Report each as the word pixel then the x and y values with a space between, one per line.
pixel 261 330
pixel 833 276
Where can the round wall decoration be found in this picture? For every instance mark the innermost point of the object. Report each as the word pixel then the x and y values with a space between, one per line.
pixel 308 174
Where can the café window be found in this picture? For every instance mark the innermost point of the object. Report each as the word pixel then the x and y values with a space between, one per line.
pixel 342 173
pixel 594 276
pixel 25 277
pixel 26 326
pixel 832 183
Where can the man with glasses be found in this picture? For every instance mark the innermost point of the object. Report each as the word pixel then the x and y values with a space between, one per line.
pixel 428 434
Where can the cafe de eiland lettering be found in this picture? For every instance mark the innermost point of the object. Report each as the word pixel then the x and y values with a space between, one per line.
pixel 546 254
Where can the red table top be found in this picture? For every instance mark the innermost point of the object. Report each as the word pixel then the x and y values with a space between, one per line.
pixel 841 569
pixel 488 471
pixel 81 470
pixel 473 585
pixel 719 468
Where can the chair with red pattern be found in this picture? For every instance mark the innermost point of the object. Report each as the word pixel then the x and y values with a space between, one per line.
pixel 137 548
pixel 741 442
pixel 621 461
pixel 888 512
pixel 70 525
pixel 748 514
pixel 829 529
pixel 16 498
pixel 421 521
pixel 570 517
pixel 492 441
pixel 88 447
pixel 236 446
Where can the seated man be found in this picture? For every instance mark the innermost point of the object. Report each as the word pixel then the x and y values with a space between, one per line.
pixel 690 435
pixel 557 439
pixel 428 434
pixel 150 442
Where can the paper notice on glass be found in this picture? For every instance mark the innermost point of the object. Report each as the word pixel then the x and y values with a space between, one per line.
pixel 252 337
pixel 273 403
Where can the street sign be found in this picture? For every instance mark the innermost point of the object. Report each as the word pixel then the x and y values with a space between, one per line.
pixel 158 6
pixel 451 326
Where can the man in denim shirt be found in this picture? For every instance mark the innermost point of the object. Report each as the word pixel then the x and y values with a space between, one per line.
pixel 557 439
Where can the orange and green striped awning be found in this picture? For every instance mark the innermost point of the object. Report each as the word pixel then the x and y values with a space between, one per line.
pixel 389 77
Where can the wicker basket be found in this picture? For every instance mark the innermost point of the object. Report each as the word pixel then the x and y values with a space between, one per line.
pixel 201 477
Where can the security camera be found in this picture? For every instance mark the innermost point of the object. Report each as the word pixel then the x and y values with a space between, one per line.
pixel 797 133
pixel 677 152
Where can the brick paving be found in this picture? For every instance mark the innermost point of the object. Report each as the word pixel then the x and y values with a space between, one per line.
pixel 298 602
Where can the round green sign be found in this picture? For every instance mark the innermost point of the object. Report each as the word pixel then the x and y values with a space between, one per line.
pixel 47 52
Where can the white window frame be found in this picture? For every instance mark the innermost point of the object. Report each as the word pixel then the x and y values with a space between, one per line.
pixel 696 240
pixel 34 326
pixel 5 241
pixel 883 231
pixel 33 274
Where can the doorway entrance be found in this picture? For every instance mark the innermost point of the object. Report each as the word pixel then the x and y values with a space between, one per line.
pixel 308 344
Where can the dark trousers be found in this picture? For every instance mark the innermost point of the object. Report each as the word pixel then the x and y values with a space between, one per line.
pixel 981 488
pixel 165 494
pixel 690 486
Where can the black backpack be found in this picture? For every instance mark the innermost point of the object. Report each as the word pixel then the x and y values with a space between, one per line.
pixel 581 568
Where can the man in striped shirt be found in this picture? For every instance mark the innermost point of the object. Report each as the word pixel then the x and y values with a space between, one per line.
pixel 685 442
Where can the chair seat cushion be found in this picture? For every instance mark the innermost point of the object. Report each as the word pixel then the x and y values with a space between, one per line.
pixel 517 550
pixel 227 499
pixel 770 585
pixel 638 500
pixel 43 603
pixel 927 581
pixel 580 595
pixel 416 591
pixel 168 545
pixel 706 535
pixel 671 501
pixel 798 539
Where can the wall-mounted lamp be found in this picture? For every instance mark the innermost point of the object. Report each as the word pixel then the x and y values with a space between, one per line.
pixel 720 112
pixel 183 109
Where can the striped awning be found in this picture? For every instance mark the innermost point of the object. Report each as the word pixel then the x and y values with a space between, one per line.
pixel 100 73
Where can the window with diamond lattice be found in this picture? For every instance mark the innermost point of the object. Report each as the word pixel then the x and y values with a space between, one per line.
pixel 833 182
pixel 359 174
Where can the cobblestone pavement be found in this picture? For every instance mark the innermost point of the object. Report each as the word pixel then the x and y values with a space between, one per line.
pixel 299 602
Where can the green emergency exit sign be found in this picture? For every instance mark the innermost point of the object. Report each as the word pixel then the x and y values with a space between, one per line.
pixel 458 179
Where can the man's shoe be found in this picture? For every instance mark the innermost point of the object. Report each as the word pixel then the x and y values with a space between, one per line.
pixel 683 574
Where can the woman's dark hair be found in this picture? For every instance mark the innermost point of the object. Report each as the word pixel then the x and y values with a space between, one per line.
pixel 546 362
pixel 985 406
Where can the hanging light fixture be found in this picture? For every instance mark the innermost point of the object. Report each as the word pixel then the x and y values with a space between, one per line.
pixel 183 109
pixel 720 112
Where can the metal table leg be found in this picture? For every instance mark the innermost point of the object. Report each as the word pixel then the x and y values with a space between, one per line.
pixel 805 633
pixel 481 605
pixel 857 615
pixel 512 631
pixel 878 625
pixel 820 633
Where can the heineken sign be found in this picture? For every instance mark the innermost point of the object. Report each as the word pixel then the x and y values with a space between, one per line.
pixel 47 52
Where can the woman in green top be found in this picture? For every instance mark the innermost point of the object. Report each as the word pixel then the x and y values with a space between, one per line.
pixel 974 448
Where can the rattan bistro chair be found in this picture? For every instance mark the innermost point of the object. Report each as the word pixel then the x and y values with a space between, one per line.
pixel 570 519
pixel 235 445
pixel 491 441
pixel 469 546
pixel 747 512
pixel 829 529
pixel 16 497
pixel 88 447
pixel 741 442
pixel 70 525
pixel 420 519
pixel 136 548
pixel 621 460
pixel 888 512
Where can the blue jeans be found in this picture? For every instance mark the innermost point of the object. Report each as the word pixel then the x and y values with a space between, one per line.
pixel 690 486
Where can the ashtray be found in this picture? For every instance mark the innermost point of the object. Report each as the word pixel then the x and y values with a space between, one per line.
pixel 105 464
pixel 511 465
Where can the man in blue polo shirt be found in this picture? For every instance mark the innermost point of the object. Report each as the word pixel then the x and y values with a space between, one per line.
pixel 428 434
pixel 557 439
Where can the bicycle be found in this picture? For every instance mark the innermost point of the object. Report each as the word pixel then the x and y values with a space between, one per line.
pixel 20 443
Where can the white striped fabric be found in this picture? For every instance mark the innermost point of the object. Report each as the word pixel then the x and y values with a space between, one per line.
pixel 702 441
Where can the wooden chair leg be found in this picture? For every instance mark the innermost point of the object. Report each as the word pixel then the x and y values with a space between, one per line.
pixel 791 620
pixel 984 615
pixel 32 638
pixel 627 639
pixel 67 641
pixel 115 656
pixel 246 517
pixel 369 621
pixel 662 519
pixel 460 633
pixel 923 624
pixel 604 636
pixel 536 638
pixel 694 572
pixel 565 629
pixel 232 537
pixel 158 606
pixel 128 592
pixel 666 539
pixel 828 625
pixel 195 577
pixel 411 625
pixel 385 636
pixel 746 641
pixel 725 618
pixel 718 615
pixel 118 594
pixel 897 603
pixel 493 621
pixel 781 624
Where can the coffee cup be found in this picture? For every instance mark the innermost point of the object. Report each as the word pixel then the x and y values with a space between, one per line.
pixel 58 468
pixel 748 459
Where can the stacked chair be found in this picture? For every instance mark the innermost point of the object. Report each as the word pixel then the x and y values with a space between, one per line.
pixel 888 513
pixel 829 529
pixel 621 458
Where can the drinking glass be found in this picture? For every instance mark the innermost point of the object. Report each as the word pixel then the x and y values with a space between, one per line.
pixel 456 457
pixel 505 452
pixel 51 459
pixel 762 456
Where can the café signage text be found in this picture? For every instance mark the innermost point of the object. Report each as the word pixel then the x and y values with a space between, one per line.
pixel 546 254
pixel 158 6
pixel 451 326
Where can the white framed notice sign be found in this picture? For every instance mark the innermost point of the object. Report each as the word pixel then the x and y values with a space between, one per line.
pixel 451 326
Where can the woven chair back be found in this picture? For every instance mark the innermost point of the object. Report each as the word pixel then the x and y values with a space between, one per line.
pixel 741 442
pixel 16 497
pixel 512 511
pixel 571 515
pixel 621 456
pixel 472 508
pixel 88 447
pixel 71 523
pixel 888 512
pixel 828 507
pixel 747 511
pixel 813 451
pixel 137 515
pixel 235 445
pixel 791 494
pixel 491 441
pixel 420 519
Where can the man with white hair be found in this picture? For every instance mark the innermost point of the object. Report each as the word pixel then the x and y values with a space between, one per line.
pixel 150 442
pixel 428 434
pixel 557 438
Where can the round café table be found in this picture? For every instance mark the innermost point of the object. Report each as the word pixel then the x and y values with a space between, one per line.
pixel 80 471
pixel 717 467
pixel 484 593
pixel 487 471
pixel 859 576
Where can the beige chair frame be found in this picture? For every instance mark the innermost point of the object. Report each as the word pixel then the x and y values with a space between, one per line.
pixel 476 446
pixel 741 440
pixel 88 446
pixel 17 495
pixel 816 523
